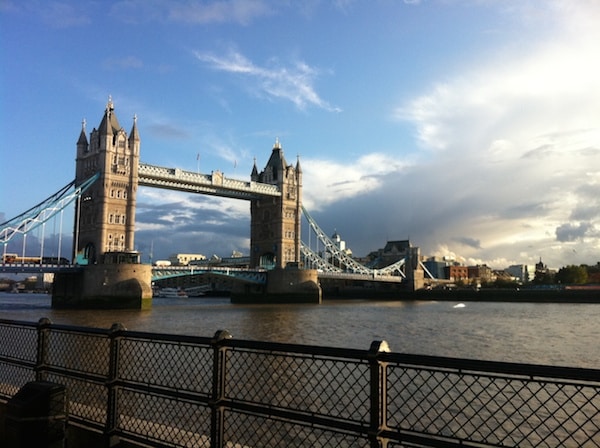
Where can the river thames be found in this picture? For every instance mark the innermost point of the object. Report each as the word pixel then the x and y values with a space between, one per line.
pixel 537 333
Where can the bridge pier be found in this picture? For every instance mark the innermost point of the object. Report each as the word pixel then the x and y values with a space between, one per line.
pixel 112 285
pixel 287 285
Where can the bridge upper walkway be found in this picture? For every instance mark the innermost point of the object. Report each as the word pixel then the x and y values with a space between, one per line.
pixel 215 184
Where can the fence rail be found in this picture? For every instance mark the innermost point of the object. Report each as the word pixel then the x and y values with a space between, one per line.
pixel 167 390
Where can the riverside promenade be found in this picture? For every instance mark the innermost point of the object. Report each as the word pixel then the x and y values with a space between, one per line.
pixel 127 388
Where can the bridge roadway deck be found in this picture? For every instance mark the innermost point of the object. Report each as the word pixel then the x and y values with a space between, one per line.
pixel 215 184
pixel 36 268
pixel 365 277
pixel 158 272
pixel 244 274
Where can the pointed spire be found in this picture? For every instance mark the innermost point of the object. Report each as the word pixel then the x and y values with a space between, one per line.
pixel 277 161
pixel 105 128
pixel 298 167
pixel 82 141
pixel 254 174
pixel 134 135
pixel 109 125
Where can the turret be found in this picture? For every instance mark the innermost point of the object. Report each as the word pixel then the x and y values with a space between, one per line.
pixel 82 142
pixel 134 135
pixel 254 174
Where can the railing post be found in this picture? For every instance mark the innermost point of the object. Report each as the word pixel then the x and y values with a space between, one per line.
pixel 378 382
pixel 217 418
pixel 112 405
pixel 43 330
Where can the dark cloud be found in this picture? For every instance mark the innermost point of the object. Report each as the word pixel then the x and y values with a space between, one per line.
pixel 196 224
pixel 573 232
pixel 466 241
pixel 524 210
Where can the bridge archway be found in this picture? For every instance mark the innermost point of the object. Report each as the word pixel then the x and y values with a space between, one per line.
pixel 267 261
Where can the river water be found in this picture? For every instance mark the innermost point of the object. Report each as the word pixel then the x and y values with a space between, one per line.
pixel 537 333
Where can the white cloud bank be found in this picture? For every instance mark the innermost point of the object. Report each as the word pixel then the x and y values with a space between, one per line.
pixel 510 163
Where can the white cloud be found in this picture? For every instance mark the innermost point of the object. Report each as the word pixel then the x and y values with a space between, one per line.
pixel 294 83
pixel 332 181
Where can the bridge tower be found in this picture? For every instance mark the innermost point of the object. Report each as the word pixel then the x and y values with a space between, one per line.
pixel 275 221
pixel 105 216
pixel 111 276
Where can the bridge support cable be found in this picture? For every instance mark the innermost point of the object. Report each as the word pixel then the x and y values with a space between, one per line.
pixel 429 274
pixel 315 261
pixel 44 211
pixel 349 264
pixel 394 268
pixel 345 263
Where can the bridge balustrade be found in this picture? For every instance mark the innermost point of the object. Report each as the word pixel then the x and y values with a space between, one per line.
pixel 178 179
pixel 167 390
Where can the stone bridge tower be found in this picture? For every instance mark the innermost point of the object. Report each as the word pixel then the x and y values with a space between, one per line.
pixel 105 216
pixel 275 228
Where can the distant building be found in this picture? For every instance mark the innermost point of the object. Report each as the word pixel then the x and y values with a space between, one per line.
pixel 483 273
pixel 340 244
pixel 541 268
pixel 436 267
pixel 519 272
pixel 503 276
pixel 543 274
pixel 456 273
pixel 184 259
pixel 392 252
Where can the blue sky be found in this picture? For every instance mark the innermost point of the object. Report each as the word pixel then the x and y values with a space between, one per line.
pixel 469 126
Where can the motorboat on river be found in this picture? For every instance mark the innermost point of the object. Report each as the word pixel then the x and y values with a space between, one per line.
pixel 172 293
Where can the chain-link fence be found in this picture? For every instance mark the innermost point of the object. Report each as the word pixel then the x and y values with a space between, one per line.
pixel 166 390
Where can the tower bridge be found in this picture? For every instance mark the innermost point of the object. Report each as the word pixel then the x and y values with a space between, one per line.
pixel 108 172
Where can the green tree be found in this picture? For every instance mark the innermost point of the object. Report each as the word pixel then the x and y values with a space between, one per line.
pixel 572 275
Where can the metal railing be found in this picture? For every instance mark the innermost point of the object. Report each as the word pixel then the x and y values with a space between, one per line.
pixel 167 390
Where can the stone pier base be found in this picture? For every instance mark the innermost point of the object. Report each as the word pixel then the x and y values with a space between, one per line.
pixel 290 285
pixel 107 286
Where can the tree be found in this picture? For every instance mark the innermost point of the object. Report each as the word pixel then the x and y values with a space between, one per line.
pixel 572 275
pixel 543 278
